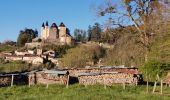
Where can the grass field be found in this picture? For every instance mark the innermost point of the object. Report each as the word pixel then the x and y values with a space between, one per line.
pixel 78 92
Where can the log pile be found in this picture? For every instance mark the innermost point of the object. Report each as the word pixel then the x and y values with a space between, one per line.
pixel 108 79
pixel 18 79
pixel 43 78
pixel 47 78
pixel 5 80
pixel 75 72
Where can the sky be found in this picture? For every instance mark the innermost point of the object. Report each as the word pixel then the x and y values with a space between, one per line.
pixel 16 15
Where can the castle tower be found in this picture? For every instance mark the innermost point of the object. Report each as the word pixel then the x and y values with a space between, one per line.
pixel 53 34
pixel 42 31
pixel 62 30
pixel 45 31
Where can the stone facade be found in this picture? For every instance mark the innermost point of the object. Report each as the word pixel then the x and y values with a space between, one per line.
pixel 55 34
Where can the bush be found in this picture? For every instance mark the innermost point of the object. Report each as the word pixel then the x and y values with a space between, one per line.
pixel 153 67
pixel 14 66
pixel 59 49
pixel 81 56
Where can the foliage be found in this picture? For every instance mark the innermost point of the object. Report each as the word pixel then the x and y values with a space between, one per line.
pixel 127 50
pixel 160 50
pixel 26 36
pixel 59 49
pixel 147 16
pixel 82 56
pixel 94 32
pixel 14 66
pixel 80 35
pixel 153 68
pixel 79 92
pixel 9 42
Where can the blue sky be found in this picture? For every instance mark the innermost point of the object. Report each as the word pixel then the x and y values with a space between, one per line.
pixel 16 15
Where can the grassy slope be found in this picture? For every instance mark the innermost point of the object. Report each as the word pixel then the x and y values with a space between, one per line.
pixel 7 48
pixel 77 92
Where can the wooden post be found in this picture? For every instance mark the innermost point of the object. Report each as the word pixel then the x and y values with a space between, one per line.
pixel 68 81
pixel 85 85
pixel 147 85
pixel 161 87
pixel 47 85
pixel 29 81
pixel 104 83
pixel 124 85
pixel 154 88
pixel 12 80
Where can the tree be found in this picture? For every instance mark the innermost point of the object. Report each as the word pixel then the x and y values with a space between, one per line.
pixel 89 32
pixel 94 32
pixel 26 36
pixel 80 35
pixel 147 16
pixel 81 56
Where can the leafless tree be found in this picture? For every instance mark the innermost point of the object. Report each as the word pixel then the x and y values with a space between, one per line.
pixel 149 17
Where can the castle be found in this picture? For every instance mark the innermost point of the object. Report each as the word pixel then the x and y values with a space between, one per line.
pixel 52 35
pixel 55 34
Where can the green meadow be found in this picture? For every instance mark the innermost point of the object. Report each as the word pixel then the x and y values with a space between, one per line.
pixel 79 92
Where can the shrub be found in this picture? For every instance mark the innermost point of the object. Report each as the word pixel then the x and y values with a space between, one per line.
pixel 81 56
pixel 153 68
pixel 59 49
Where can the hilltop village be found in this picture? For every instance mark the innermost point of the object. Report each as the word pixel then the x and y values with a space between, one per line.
pixel 33 52
pixel 41 49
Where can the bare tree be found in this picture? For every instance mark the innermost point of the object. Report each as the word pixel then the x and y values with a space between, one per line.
pixel 149 17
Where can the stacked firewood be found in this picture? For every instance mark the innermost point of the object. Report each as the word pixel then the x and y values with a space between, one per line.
pixel 75 72
pixel 44 78
pixel 5 81
pixel 107 79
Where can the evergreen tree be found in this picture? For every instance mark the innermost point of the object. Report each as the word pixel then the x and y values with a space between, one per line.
pixel 94 32
pixel 80 35
pixel 26 36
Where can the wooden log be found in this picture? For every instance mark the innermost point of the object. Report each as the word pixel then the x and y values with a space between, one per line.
pixel 12 80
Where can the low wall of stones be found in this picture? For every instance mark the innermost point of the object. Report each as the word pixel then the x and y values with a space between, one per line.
pixel 108 79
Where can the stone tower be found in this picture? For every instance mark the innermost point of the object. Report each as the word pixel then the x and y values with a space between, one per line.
pixel 63 30
pixel 45 31
pixel 53 34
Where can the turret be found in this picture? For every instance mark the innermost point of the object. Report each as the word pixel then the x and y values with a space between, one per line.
pixel 46 23
pixel 54 25
pixel 62 24
pixel 43 26
pixel 62 30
